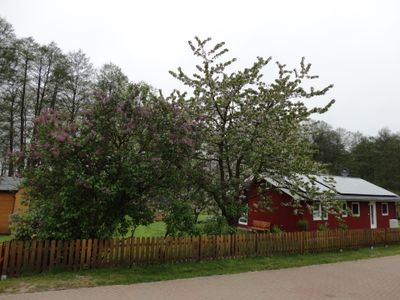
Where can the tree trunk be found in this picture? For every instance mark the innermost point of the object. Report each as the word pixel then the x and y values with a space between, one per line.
pixel 73 107
pixel 11 137
pixel 54 97
pixel 46 79
pixel 22 108
pixel 39 83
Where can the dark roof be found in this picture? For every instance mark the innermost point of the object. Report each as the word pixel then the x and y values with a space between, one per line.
pixel 9 184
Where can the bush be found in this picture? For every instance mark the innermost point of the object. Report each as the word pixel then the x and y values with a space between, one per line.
pixel 121 156
pixel 276 229
pixel 302 225
pixel 217 226
pixel 27 226
pixel 323 227
pixel 343 226
pixel 180 220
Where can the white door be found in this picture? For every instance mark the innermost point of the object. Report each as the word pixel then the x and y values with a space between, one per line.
pixel 372 214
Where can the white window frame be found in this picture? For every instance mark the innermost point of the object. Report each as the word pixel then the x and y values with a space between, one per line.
pixel 243 221
pixel 319 214
pixel 387 208
pixel 345 209
pixel 359 209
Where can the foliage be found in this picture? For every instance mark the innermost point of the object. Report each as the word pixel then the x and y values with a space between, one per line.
pixel 78 87
pixel 111 80
pixel 303 225
pixel 187 200
pixel 180 220
pixel 105 172
pixel 330 147
pixel 250 126
pixel 33 78
pixel 377 159
pixel 216 226
pixel 343 226
pixel 276 229
pixel 323 227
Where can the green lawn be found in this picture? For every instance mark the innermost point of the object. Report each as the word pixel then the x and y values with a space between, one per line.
pixel 4 238
pixel 89 278
pixel 159 228
pixel 154 229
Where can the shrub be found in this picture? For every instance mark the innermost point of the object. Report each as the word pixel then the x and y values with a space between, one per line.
pixel 302 225
pixel 323 227
pixel 216 226
pixel 343 226
pixel 121 157
pixel 276 229
pixel 180 220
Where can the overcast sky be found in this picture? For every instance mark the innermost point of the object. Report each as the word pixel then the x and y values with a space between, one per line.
pixel 353 44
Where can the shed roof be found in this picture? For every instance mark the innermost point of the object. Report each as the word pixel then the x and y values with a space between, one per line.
pixel 9 184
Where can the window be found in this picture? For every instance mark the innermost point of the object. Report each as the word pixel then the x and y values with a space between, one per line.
pixel 355 209
pixel 319 212
pixel 385 209
pixel 344 209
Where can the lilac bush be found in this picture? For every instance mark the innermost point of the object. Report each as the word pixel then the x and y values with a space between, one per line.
pixel 107 171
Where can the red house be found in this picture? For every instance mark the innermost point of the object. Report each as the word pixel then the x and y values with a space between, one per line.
pixel 368 206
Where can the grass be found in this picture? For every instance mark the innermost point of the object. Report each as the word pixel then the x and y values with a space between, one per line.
pixel 159 228
pixel 89 278
pixel 154 229
pixel 4 238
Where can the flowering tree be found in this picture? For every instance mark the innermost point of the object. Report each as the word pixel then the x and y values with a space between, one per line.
pixel 106 171
pixel 250 126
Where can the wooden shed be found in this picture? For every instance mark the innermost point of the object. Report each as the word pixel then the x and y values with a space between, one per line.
pixel 10 201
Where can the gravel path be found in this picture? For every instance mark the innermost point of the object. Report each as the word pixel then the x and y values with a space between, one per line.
pixel 377 278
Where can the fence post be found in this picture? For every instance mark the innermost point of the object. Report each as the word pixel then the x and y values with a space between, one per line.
pixel 373 236
pixel 385 236
pixel 232 243
pixel 132 251
pixel 199 256
pixel 5 260
pixel 302 242
pixel 256 244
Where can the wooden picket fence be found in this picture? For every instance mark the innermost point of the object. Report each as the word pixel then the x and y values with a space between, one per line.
pixel 17 257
